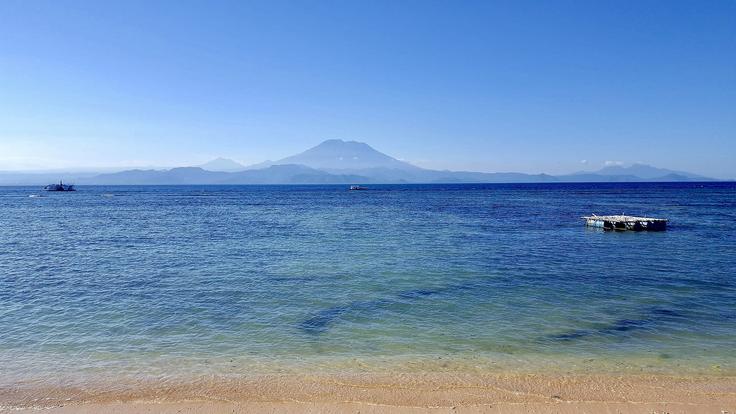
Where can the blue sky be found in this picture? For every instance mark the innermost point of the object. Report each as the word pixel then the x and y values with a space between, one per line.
pixel 547 86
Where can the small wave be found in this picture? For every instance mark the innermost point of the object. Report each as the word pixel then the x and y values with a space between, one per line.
pixel 36 196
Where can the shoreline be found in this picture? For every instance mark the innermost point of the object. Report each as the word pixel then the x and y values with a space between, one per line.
pixel 393 393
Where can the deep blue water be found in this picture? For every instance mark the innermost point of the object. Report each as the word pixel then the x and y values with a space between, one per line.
pixel 238 279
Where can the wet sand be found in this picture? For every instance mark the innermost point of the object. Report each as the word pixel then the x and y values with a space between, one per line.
pixel 395 393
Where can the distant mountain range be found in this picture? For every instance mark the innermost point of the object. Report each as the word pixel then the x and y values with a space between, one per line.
pixel 339 162
pixel 635 172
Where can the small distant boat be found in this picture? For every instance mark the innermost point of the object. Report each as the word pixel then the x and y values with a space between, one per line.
pixel 357 187
pixel 60 187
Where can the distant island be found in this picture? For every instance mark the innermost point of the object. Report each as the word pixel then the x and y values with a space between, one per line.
pixel 339 162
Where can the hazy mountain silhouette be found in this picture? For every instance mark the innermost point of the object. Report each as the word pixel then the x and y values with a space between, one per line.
pixel 635 172
pixel 342 162
pixel 222 165
pixel 340 157
pixel 290 174
pixel 183 175
pixel 646 172
pixel 276 174
pixel 336 154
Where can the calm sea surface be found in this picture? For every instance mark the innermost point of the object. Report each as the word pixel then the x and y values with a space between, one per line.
pixel 196 280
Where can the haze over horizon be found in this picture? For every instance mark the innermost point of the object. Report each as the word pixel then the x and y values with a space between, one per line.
pixel 526 86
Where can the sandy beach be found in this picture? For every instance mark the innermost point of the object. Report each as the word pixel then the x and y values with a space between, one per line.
pixel 395 393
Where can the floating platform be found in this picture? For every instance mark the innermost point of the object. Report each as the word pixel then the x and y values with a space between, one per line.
pixel 626 223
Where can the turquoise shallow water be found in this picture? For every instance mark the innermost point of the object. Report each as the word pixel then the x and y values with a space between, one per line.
pixel 167 281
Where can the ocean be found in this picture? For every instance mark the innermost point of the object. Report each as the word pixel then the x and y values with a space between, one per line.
pixel 169 282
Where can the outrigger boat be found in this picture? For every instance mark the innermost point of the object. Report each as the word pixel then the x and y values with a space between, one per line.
pixel 60 187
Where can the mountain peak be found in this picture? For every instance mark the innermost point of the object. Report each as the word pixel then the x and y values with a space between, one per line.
pixel 337 154
pixel 329 142
pixel 222 165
